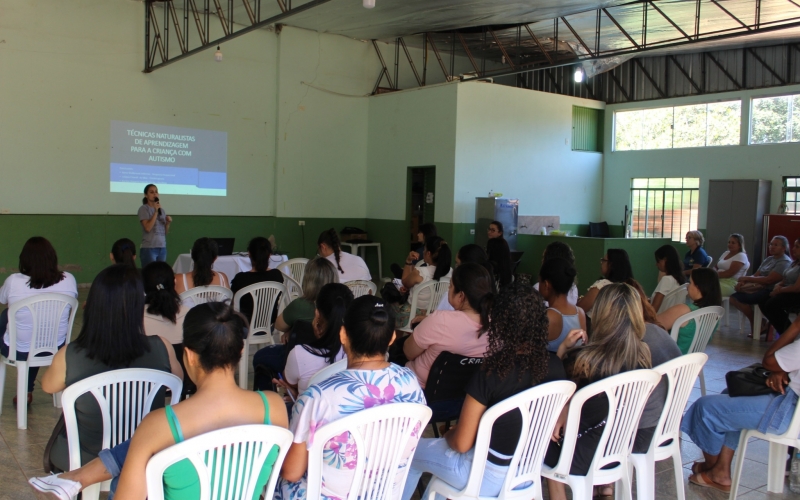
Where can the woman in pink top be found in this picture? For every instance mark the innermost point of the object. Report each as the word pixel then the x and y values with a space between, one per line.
pixel 460 331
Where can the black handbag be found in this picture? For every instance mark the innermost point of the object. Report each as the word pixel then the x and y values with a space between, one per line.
pixel 748 381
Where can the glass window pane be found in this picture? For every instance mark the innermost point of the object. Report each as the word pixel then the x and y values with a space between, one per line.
pixel 639 183
pixel 657 128
pixel 724 123
pixel 691 182
pixel 657 182
pixel 770 117
pixel 791 181
pixel 627 130
pixel 673 182
pixel 791 197
pixel 795 121
pixel 690 126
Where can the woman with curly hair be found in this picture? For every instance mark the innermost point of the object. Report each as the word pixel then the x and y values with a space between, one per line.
pixel 517 359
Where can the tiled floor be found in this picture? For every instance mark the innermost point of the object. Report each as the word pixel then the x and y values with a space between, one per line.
pixel 21 451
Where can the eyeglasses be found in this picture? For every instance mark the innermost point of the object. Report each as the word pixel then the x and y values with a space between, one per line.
pixel 603 260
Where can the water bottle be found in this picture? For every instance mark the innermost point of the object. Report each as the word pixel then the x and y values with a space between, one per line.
pixel 794 475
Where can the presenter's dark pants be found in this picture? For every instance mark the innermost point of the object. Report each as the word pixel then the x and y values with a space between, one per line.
pixel 149 255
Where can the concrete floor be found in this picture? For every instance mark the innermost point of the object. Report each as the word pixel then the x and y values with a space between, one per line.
pixel 21 451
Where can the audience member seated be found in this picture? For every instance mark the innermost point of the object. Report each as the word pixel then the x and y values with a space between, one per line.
pixel 38 273
pixel 213 345
pixel 714 422
pixel 368 381
pixel 616 346
pixel 271 360
pixel 785 296
pixel 437 257
pixel 755 289
pixel 732 265
pixel 555 250
pixel 696 257
pixel 670 274
pixel 615 266
pixel 306 359
pixel 259 250
pixel 426 231
pixel 468 253
pixel 204 253
pixel 556 277
pixel 112 337
pixel 517 360
pixel 124 252
pixel 500 257
pixel 350 267
pixel 461 331
pixel 704 292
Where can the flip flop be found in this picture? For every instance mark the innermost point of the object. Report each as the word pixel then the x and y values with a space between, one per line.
pixel 698 467
pixel 703 480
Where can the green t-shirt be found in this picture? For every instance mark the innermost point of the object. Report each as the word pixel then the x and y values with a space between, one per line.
pixel 299 310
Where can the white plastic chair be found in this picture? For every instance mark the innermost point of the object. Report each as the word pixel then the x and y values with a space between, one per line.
pixel 758 316
pixel 381 435
pixel 681 373
pixel 776 466
pixel 296 268
pixel 436 289
pixel 540 407
pixel 362 287
pixel 675 297
pixel 627 395
pixel 228 461
pixel 706 322
pixel 265 294
pixel 328 371
pixel 292 286
pixel 710 261
pixel 124 397
pixel 46 310
pixel 202 294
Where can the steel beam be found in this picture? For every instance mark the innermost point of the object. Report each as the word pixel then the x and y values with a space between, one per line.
pixel 619 85
pixel 469 53
pixel 420 82
pixel 722 68
pixel 684 73
pixel 766 66
pixel 553 80
pixel 580 40
pixel 730 14
pixel 502 49
pixel 669 20
pixel 620 28
pixel 438 56
pixel 539 44
pixel 384 70
pixel 230 33
pixel 649 77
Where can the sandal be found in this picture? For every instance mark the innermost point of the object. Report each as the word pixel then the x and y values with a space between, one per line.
pixel 703 480
pixel 698 467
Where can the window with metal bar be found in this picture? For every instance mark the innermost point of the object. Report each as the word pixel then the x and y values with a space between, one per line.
pixel 791 195
pixel 775 119
pixel 694 126
pixel 664 207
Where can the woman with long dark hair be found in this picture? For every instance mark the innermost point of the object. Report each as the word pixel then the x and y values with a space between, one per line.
pixel 461 331
pixel 350 267
pixel 705 292
pixel 500 256
pixel 155 226
pixel 560 250
pixel 438 258
pixel 38 273
pixel 204 254
pixel 615 267
pixel 468 253
pixel 111 337
pixel 516 359
pixel 670 270
pixel 259 250
pixel 164 312
pixel 556 278
pixel 124 252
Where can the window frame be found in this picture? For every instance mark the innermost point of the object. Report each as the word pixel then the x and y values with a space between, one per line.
pixel 751 121
pixel 694 198
pixel 785 189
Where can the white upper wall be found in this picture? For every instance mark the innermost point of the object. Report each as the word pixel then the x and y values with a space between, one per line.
pixel 764 161
pixel 518 142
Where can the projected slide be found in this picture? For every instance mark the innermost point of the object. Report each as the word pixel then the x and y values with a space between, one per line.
pixel 177 160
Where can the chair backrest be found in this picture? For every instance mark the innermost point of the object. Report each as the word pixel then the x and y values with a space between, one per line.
pixel 124 396
pixel 296 268
pixel 540 407
pixel 436 289
pixel 326 372
pixel 706 320
pixel 675 297
pixel 228 461
pixel 449 375
pixel 292 286
pixel 46 310
pixel 210 293
pixel 265 295
pixel 681 374
pixel 362 287
pixel 627 395
pixel 381 434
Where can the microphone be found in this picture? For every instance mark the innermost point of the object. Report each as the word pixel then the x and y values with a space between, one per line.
pixel 156 200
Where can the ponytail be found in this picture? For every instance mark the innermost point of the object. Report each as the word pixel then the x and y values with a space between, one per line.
pixel 332 303
pixel 478 287
pixel 123 251
pixel 440 255
pixel 159 287
pixel 369 325
pixel 204 253
pixel 331 238
pixel 485 308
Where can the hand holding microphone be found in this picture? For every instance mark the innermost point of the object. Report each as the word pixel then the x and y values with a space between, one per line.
pixel 157 205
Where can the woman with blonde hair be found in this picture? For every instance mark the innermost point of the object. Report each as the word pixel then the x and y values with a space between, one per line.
pixel 616 346
pixel 696 256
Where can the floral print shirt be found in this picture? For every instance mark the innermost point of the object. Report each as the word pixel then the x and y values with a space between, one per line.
pixel 343 394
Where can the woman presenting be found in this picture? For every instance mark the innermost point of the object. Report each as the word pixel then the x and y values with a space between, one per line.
pixel 155 225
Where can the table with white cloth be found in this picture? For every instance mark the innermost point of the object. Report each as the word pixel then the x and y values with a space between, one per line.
pixel 228 264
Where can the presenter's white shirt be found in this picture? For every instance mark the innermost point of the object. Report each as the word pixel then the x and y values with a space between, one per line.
pixel 353 266
pixel 16 288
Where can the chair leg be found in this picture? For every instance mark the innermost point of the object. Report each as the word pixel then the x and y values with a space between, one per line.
pixel 91 492
pixel 2 381
pixel 776 467
pixel 738 465
pixel 702 384
pixel 57 399
pixel 622 488
pixel 757 317
pixel 727 303
pixel 22 395
pixel 243 366
pixel 677 466
pixel 645 475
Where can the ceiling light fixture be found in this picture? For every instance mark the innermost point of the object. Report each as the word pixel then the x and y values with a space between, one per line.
pixel 578 75
pixel 218 55
pixel 368 4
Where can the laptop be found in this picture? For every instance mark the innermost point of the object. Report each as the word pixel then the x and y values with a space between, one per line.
pixel 224 245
